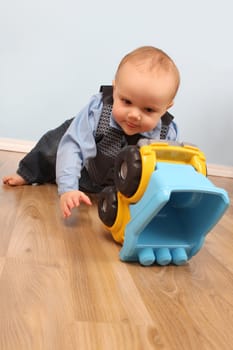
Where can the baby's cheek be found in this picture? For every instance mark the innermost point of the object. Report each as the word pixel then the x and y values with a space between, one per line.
pixel 149 125
pixel 154 122
pixel 117 113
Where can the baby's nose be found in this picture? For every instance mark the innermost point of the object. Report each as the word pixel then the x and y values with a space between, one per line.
pixel 134 114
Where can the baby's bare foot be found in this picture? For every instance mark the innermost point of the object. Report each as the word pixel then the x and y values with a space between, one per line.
pixel 14 180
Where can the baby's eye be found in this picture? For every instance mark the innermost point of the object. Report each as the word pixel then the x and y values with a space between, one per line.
pixel 149 110
pixel 127 102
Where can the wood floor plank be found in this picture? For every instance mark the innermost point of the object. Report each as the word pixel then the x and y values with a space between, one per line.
pixel 114 336
pixel 2 263
pixel 35 305
pixel 188 303
pixel 35 237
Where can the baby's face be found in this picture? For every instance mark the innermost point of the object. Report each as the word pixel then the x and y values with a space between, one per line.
pixel 141 97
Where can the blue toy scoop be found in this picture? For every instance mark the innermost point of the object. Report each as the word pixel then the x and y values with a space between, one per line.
pixel 170 222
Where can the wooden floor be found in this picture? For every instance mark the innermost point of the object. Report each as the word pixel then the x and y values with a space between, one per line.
pixel 62 285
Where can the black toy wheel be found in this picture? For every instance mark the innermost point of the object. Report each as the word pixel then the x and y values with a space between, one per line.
pixel 107 206
pixel 128 170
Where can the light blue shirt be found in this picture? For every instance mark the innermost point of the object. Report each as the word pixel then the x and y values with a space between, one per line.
pixel 78 143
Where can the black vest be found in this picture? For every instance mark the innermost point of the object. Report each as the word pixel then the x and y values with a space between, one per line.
pixel 109 142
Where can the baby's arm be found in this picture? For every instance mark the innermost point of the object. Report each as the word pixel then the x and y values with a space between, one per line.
pixel 75 148
pixel 72 199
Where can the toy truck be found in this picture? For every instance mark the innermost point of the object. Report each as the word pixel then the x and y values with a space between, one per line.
pixel 162 205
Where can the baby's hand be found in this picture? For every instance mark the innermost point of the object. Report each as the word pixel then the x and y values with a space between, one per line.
pixel 71 199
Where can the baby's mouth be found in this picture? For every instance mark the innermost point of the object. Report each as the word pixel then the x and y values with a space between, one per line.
pixel 131 125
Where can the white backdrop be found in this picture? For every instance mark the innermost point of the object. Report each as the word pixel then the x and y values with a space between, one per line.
pixel 54 54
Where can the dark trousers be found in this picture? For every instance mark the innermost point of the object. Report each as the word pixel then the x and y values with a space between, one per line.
pixel 39 165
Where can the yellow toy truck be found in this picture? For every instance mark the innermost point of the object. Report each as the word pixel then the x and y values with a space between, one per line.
pixel 162 205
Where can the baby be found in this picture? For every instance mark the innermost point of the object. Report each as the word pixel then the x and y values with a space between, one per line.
pixel 79 155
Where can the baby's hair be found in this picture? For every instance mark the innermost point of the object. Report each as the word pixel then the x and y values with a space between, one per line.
pixel 151 58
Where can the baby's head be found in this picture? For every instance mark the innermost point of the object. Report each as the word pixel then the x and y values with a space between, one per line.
pixel 145 86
